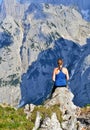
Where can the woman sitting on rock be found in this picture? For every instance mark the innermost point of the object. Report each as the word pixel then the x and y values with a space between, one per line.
pixel 60 75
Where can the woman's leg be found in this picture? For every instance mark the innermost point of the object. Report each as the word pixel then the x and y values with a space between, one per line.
pixel 53 90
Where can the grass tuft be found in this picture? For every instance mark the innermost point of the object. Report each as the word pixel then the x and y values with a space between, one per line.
pixel 11 119
pixel 46 112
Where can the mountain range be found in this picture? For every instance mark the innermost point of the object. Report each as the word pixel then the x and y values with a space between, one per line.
pixel 33 35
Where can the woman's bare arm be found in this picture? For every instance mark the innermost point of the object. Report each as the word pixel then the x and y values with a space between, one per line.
pixel 67 74
pixel 53 76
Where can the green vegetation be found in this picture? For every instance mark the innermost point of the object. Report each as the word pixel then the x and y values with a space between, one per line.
pixel 88 105
pixel 46 112
pixel 85 109
pixel 11 119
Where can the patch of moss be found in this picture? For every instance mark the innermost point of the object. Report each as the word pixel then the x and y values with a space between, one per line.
pixel 85 109
pixel 46 112
pixel 88 105
pixel 11 119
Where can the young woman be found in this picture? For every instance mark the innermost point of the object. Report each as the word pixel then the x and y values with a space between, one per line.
pixel 60 75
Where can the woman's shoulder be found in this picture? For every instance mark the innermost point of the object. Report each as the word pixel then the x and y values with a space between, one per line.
pixel 64 69
pixel 55 69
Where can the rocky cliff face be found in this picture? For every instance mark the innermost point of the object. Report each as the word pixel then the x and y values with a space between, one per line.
pixel 83 6
pixel 30 47
pixel 47 45
pixel 10 60
pixel 12 8
pixel 16 8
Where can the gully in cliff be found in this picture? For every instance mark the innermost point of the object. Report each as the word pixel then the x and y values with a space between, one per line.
pixel 60 75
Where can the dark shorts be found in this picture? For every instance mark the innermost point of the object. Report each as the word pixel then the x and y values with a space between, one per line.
pixel 54 87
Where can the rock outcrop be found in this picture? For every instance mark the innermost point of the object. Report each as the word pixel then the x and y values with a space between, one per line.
pixel 84 117
pixel 62 97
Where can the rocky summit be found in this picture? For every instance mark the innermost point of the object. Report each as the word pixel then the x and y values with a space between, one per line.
pixel 33 35
pixel 61 113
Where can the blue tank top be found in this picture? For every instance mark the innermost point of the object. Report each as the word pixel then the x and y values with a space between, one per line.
pixel 60 79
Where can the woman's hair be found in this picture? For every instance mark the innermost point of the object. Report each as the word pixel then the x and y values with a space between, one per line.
pixel 59 61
